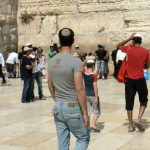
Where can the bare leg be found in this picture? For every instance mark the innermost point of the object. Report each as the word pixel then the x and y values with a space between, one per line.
pixel 141 112
pixel 138 124
pixel 130 118
pixel 94 121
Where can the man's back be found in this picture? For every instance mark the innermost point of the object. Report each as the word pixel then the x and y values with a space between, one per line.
pixel 101 54
pixel 62 68
pixel 12 58
pixel 1 59
pixel 137 58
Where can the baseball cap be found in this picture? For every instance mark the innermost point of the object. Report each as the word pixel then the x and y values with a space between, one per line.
pixel 91 61
pixel 27 49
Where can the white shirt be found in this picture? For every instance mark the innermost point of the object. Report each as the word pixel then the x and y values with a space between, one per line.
pixel 2 62
pixel 41 63
pixel 120 55
pixel 12 58
pixel 90 57
pixel 35 68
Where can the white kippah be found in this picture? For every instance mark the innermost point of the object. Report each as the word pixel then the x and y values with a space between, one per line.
pixel 65 32
pixel 137 35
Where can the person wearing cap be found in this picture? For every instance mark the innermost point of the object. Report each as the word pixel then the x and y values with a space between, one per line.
pixel 36 74
pixel 51 52
pixel 65 83
pixel 137 60
pixel 2 65
pixel 29 45
pixel 26 74
pixel 90 81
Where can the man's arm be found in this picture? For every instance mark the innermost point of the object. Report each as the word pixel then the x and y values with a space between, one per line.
pixel 51 86
pixel 125 41
pixel 81 97
pixel 147 64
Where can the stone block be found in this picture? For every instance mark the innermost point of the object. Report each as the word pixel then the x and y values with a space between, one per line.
pixel 3 7
pixel 108 1
pixel 86 1
pixel 9 10
pixel 5 29
pixel 38 40
pixel 11 19
pixel 137 20
pixel 34 27
pixel 2 18
pixel 13 39
pixel 14 8
pixel 1 40
pixel 40 24
pixel 11 47
pixel 13 30
pixel 100 7
pixel 48 25
pixel 135 6
pixel 5 39
pixel 49 7
pixel 92 22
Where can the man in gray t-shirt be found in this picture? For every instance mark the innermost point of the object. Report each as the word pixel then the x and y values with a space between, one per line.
pixel 66 86
pixel 62 68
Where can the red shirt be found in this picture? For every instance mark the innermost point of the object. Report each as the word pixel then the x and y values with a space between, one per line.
pixel 136 58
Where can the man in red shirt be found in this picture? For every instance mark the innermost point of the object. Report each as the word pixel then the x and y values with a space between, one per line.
pixel 137 61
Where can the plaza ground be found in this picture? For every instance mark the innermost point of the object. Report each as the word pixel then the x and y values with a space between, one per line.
pixel 31 127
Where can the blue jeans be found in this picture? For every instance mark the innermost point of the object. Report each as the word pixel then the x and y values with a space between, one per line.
pixel 26 90
pixel 102 67
pixel 36 76
pixel 68 118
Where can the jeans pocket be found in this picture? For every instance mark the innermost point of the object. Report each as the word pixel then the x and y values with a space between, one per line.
pixel 73 120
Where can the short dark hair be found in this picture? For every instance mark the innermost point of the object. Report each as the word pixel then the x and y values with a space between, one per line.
pixel 66 37
pixel 137 40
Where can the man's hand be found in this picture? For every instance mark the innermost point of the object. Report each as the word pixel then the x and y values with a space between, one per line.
pixel 28 66
pixel 132 36
pixel 86 121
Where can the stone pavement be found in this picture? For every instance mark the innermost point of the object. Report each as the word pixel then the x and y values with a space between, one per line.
pixel 31 127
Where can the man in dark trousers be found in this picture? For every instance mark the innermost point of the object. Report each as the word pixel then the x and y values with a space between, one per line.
pixel 137 60
pixel 66 86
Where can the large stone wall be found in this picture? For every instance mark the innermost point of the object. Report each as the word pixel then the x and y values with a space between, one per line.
pixel 8 25
pixel 94 21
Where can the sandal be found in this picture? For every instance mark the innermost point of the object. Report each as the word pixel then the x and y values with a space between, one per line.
pixel 139 126
pixel 95 129
pixel 131 130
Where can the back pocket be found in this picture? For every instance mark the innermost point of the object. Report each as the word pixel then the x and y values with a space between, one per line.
pixel 73 120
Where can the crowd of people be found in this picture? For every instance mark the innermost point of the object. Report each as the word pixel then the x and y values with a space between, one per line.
pixel 72 82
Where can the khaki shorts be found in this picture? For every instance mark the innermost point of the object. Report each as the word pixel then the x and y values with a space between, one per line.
pixel 92 109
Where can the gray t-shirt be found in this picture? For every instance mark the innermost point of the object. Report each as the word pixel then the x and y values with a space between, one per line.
pixel 62 68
